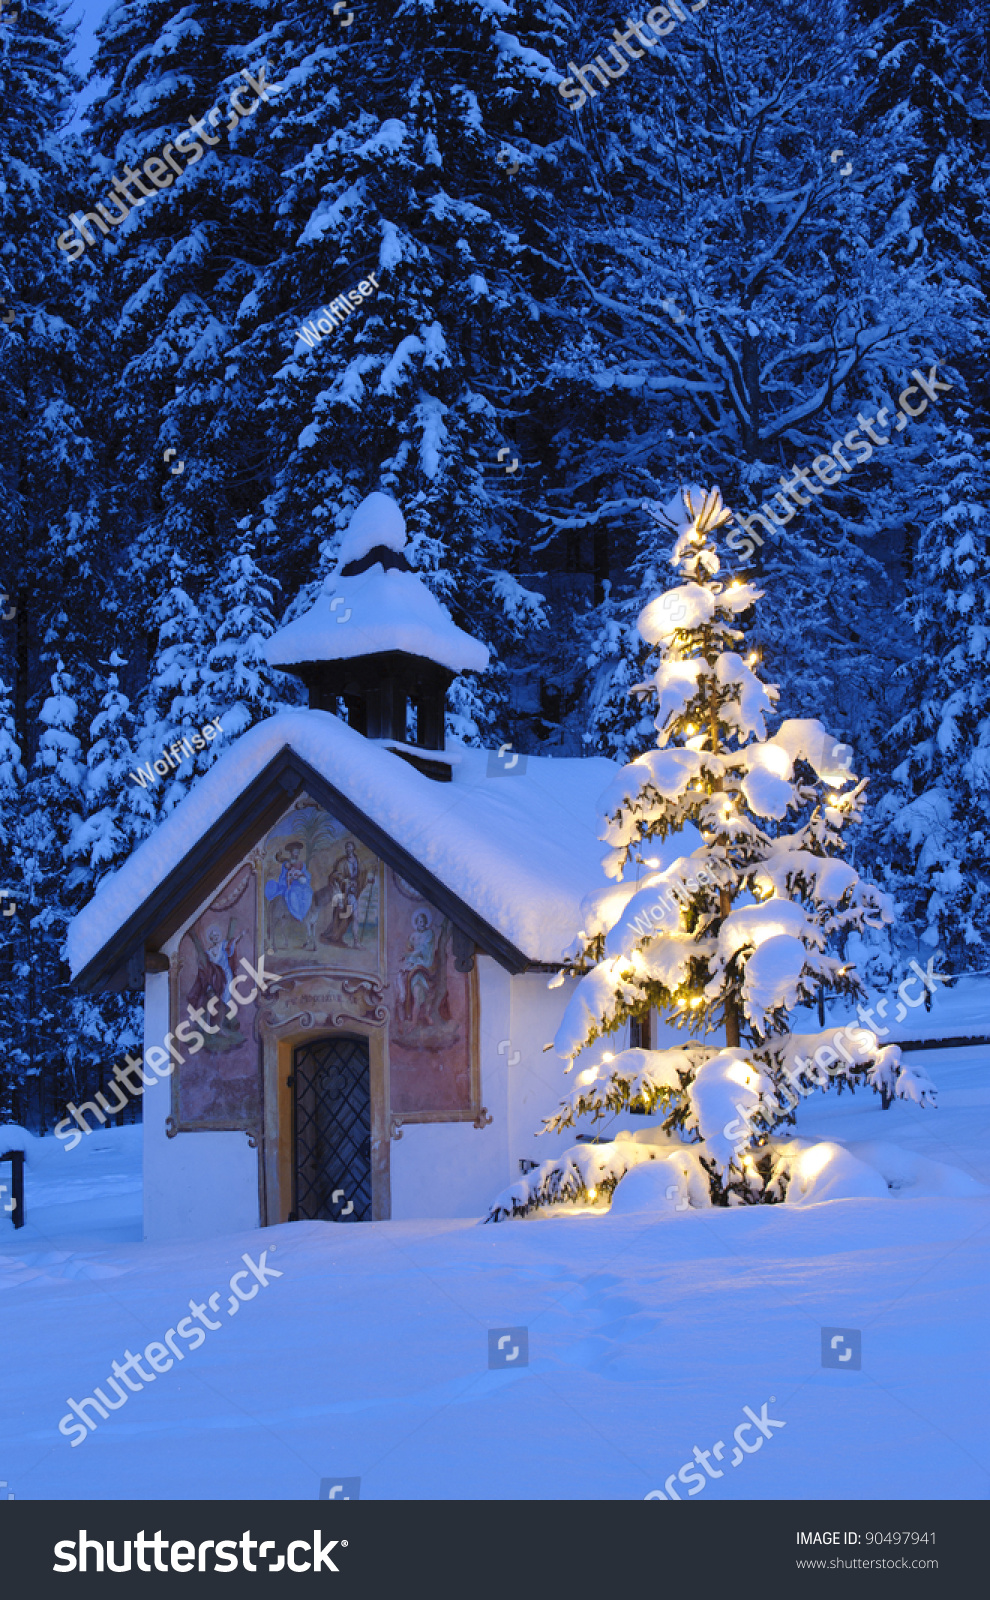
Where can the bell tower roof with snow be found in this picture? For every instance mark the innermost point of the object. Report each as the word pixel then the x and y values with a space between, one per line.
pixel 374 602
pixel 376 638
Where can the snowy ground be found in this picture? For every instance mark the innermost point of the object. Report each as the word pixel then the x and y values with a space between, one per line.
pixel 368 1357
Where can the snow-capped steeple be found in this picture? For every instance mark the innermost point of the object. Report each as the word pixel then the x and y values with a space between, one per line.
pixel 376 637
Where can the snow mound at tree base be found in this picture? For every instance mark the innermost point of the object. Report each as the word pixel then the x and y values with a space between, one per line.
pixel 818 1170
pixel 649 1172
pixel 675 1182
pixel 808 1171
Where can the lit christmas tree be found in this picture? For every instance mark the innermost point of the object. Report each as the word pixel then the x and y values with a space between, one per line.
pixel 734 933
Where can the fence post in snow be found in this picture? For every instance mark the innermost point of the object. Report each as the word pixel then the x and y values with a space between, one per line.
pixel 16 1159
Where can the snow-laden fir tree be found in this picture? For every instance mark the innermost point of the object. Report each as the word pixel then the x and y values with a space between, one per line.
pixel 735 932
pixel 176 269
pixel 392 136
pixel 116 815
pixel 47 898
pixel 13 971
pixel 109 830
pixel 179 696
pixel 55 565
pixel 936 817
pixel 244 687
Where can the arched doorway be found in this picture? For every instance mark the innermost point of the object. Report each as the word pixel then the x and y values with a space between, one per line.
pixel 331 1129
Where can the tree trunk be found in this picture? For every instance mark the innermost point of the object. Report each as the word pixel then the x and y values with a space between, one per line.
pixel 724 897
pixel 731 1009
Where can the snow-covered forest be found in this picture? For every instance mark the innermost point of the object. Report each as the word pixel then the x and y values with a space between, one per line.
pixel 736 256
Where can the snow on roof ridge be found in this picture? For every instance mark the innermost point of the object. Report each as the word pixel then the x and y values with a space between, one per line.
pixel 452 757
pixel 521 851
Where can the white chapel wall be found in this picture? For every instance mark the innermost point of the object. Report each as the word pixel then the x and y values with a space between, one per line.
pixel 538 1080
pixel 453 1169
pixel 196 1185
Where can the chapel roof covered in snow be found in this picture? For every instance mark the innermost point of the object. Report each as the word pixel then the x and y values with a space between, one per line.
pixel 374 603
pixel 507 855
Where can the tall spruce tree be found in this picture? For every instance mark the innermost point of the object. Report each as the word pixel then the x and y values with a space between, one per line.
pixel 54 806
pixel 929 834
pixel 179 698
pixel 242 684
pixel 109 828
pixel 56 601
pixel 14 1058
pixel 934 823
pixel 181 258
pixel 417 150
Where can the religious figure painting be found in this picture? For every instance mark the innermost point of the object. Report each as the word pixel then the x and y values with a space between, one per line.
pixel 216 958
pixel 429 1007
pixel 290 897
pixel 320 893
pixel 342 895
pixel 421 978
pixel 218 1083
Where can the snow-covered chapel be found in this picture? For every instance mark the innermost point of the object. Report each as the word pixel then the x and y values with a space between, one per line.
pixel 344 932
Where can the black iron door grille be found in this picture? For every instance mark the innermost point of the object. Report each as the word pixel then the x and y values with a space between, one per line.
pixel 332 1130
